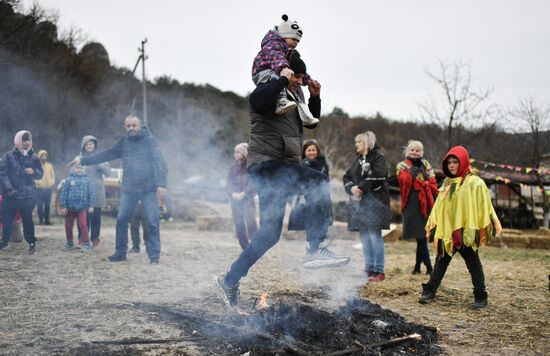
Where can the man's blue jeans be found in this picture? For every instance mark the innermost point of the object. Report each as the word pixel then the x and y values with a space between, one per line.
pixel 373 250
pixel 128 203
pixel 275 181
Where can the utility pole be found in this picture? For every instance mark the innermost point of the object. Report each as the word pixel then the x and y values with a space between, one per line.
pixel 144 79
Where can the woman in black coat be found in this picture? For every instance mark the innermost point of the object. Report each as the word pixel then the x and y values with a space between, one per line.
pixel 313 158
pixel 366 181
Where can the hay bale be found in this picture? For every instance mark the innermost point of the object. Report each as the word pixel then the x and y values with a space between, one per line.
pixel 190 210
pixel 540 242
pixel 214 223
pixel 512 232
pixel 496 242
pixel 394 234
pixel 543 231
pixel 515 241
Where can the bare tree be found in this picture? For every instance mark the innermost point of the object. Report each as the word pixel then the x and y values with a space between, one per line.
pixel 40 14
pixel 73 36
pixel 532 116
pixel 458 103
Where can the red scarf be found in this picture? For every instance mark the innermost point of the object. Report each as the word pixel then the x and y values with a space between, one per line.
pixel 426 188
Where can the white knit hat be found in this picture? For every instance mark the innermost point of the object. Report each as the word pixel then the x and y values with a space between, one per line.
pixel 289 29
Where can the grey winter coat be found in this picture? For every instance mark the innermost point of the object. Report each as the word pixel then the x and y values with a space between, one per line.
pixel 96 173
pixel 371 176
pixel 143 165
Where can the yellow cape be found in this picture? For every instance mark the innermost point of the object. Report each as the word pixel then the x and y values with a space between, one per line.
pixel 468 208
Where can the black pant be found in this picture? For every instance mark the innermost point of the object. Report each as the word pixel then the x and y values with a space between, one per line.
pixel 138 218
pixel 94 224
pixel 9 209
pixel 275 181
pixel 423 254
pixel 473 263
pixel 43 201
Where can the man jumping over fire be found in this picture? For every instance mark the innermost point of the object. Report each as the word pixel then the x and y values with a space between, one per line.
pixel 274 156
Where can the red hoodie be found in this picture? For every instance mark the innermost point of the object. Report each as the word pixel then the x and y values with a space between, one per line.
pixel 463 157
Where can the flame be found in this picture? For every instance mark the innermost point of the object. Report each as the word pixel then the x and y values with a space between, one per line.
pixel 262 302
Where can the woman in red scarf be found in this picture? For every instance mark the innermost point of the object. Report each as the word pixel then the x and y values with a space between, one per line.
pixel 418 191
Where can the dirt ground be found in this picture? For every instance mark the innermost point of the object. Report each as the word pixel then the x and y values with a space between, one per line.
pixel 59 302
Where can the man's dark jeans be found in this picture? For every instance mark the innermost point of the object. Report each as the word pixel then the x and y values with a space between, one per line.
pixel 275 181
pixel 151 208
pixel 473 263
pixel 44 198
pixel 9 209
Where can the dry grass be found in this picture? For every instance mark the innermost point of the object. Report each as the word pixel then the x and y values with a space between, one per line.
pixel 60 302
pixel 516 320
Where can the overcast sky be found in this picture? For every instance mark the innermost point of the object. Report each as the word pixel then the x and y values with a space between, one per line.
pixel 368 55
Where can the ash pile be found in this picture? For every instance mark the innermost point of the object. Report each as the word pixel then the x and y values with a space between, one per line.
pixel 358 328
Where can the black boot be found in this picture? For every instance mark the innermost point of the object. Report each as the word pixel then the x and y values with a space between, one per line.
pixel 428 294
pixel 480 301
pixel 416 269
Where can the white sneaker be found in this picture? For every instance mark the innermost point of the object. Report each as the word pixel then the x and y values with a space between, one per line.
pixel 323 257
pixel 306 115
pixel 284 105
pixel 303 110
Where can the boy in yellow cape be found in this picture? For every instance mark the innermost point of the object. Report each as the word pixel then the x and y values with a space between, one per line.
pixel 462 219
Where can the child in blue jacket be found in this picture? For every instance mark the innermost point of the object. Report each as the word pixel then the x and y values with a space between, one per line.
pixel 77 198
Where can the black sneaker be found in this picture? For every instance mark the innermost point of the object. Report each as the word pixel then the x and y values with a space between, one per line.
pixel 323 257
pixel 32 249
pixel 116 258
pixel 134 249
pixel 230 295
pixel 3 244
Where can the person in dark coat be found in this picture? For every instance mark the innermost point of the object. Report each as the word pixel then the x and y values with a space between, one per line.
pixel 144 178
pixel 242 196
pixel 20 169
pixel 313 158
pixel 274 154
pixel 366 182
pixel 96 173
pixel 418 188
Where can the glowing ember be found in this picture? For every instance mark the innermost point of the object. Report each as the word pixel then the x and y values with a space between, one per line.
pixel 262 302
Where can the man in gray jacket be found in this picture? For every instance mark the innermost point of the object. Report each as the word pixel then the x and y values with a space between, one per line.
pixel 144 178
pixel 274 157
